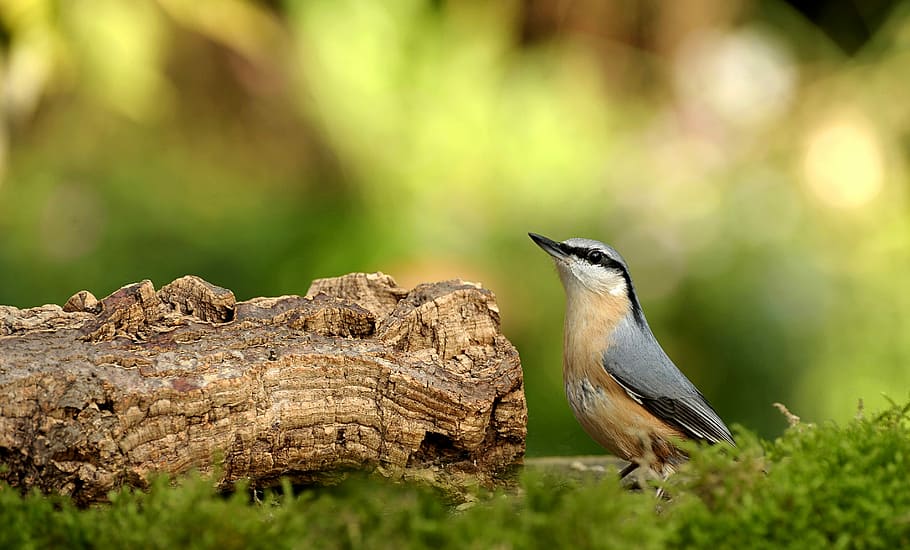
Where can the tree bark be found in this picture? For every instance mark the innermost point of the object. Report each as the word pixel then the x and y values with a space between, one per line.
pixel 358 374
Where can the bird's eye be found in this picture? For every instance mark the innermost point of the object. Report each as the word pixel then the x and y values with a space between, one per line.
pixel 595 256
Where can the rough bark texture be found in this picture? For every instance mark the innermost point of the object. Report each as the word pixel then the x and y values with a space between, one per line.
pixel 357 374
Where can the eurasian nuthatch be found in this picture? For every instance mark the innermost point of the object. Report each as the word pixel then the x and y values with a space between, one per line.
pixel 624 390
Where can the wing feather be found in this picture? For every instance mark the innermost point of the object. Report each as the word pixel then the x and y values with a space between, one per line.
pixel 638 364
pixel 693 415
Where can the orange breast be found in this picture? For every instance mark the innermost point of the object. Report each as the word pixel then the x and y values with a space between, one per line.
pixel 606 412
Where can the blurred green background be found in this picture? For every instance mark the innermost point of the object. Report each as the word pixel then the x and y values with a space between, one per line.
pixel 748 158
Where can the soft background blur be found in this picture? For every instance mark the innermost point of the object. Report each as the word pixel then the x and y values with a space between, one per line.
pixel 748 158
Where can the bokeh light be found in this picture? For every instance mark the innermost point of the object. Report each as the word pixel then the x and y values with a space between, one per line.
pixel 843 165
pixel 743 77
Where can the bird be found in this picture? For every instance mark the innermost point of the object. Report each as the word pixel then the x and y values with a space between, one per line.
pixel 624 390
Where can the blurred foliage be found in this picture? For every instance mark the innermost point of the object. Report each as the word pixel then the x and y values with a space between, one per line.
pixel 825 486
pixel 752 173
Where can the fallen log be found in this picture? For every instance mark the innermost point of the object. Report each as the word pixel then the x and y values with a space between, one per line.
pixel 357 374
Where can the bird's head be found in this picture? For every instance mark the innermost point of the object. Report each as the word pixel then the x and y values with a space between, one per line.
pixel 588 266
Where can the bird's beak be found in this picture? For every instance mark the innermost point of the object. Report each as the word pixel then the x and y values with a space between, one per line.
pixel 549 246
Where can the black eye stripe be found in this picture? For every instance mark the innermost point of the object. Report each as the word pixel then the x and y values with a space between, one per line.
pixel 596 256
pixel 603 260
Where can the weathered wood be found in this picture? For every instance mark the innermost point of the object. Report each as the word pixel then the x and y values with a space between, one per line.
pixel 357 374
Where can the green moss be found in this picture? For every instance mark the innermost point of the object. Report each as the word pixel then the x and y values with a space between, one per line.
pixel 825 486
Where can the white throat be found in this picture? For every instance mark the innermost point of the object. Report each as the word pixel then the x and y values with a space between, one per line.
pixel 581 277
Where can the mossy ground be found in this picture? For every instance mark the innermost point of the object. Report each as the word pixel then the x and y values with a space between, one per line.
pixel 824 486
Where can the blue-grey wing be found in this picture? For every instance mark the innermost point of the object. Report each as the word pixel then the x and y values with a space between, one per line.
pixel 638 363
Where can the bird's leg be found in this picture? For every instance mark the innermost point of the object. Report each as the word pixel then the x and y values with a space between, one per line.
pixel 631 482
pixel 630 467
